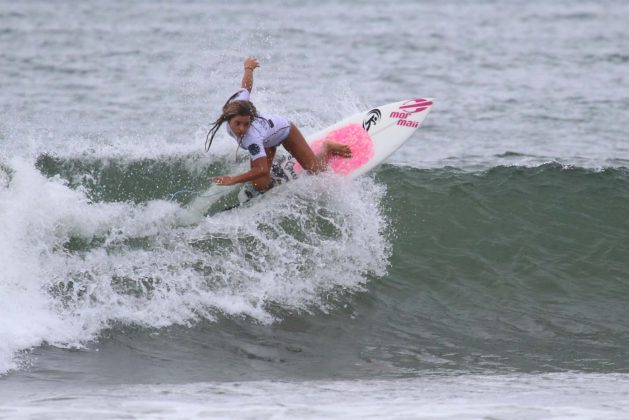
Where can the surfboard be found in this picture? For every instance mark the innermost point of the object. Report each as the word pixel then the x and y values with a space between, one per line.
pixel 372 136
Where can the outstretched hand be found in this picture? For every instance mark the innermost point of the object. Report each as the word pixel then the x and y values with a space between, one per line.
pixel 223 180
pixel 251 63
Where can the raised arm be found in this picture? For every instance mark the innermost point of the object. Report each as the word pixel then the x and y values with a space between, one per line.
pixel 247 77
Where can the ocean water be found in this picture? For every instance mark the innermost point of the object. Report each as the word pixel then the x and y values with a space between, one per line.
pixel 481 272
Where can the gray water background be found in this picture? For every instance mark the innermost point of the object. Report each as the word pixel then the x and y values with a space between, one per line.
pixel 516 83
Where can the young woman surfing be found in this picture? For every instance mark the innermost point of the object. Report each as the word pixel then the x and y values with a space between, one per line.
pixel 260 134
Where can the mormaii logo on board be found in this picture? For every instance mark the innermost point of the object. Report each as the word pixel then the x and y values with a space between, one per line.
pixel 409 107
pixel 415 105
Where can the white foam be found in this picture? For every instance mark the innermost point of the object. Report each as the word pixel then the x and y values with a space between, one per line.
pixel 73 267
pixel 32 210
pixel 555 396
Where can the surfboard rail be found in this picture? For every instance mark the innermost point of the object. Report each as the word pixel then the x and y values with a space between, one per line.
pixel 372 135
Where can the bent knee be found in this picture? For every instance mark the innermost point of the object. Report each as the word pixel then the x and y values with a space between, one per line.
pixel 263 183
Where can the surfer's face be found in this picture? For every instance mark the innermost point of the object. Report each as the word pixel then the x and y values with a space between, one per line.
pixel 240 124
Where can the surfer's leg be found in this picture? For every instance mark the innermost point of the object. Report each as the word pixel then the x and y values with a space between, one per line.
pixel 297 146
pixel 264 182
pixel 331 148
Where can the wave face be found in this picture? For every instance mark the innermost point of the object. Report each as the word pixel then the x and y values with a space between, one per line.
pixel 509 269
pixel 517 268
pixel 493 242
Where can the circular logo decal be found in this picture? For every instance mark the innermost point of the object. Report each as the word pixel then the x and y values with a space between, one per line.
pixel 371 118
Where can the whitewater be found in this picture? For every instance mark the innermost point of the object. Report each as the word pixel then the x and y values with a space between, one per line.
pixel 480 272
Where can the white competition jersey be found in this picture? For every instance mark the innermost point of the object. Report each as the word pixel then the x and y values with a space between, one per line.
pixel 264 132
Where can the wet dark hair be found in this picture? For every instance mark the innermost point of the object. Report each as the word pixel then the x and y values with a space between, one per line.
pixel 230 110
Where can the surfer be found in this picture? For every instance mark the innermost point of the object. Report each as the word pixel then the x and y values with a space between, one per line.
pixel 260 134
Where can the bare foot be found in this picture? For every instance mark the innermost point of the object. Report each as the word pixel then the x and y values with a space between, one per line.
pixel 337 149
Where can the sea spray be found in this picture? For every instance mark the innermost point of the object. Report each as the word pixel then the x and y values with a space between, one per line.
pixel 84 266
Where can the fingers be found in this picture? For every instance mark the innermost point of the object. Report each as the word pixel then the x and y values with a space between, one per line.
pixel 251 62
pixel 220 180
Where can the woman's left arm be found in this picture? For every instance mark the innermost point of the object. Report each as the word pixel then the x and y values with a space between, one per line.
pixel 247 77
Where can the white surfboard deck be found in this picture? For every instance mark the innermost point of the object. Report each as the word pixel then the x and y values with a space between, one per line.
pixel 372 136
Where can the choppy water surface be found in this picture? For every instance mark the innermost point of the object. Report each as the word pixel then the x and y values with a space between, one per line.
pixel 487 260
